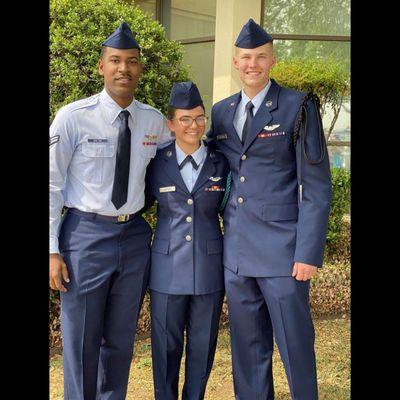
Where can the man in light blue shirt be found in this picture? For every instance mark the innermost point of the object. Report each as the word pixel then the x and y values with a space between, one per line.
pixel 100 249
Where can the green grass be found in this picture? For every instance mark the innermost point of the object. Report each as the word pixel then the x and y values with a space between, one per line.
pixel 332 346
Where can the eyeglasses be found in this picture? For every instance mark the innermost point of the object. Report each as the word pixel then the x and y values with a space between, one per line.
pixel 186 121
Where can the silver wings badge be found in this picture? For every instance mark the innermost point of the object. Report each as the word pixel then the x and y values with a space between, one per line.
pixel 271 127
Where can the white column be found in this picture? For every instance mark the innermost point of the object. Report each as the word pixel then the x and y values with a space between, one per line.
pixel 231 15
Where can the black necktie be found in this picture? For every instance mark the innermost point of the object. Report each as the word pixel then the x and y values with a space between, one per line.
pixel 121 175
pixel 186 160
pixel 249 119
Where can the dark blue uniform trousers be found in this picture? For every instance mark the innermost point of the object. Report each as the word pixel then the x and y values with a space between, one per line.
pixel 260 308
pixel 108 266
pixel 170 314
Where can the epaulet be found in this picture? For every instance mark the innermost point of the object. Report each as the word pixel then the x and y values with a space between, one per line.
pixel 227 100
pixel 84 103
pixel 143 106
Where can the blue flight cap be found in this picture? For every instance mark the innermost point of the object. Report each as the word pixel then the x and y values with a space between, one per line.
pixel 185 95
pixel 122 38
pixel 252 35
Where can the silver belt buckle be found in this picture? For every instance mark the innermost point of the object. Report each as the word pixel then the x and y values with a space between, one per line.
pixel 123 218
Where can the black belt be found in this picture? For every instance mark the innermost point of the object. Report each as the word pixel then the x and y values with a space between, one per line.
pixel 119 219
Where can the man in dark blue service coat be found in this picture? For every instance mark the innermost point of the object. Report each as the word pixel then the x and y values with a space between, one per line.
pixel 275 221
pixel 187 275
pixel 100 249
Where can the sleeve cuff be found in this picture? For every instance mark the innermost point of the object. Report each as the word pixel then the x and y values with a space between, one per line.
pixel 53 248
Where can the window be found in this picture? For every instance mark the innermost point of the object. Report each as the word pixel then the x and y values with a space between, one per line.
pixel 320 29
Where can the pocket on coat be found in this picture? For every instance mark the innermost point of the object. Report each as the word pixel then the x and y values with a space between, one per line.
pixel 279 212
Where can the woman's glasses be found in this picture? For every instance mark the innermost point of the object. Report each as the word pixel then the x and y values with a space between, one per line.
pixel 186 121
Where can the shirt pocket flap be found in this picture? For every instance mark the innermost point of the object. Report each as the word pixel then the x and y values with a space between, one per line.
pixel 280 212
pixel 214 246
pixel 90 149
pixel 160 246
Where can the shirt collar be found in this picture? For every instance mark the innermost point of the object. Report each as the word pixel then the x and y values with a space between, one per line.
pixel 198 155
pixel 112 108
pixel 257 99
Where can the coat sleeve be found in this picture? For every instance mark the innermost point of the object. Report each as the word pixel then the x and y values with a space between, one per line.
pixel 211 133
pixel 314 206
pixel 149 198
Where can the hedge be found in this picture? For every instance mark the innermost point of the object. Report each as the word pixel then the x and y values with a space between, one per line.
pixel 77 29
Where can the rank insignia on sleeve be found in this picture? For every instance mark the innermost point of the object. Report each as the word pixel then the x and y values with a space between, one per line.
pixel 54 139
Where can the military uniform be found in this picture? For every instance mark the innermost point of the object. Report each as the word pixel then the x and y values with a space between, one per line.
pixel 106 248
pixel 187 278
pixel 268 226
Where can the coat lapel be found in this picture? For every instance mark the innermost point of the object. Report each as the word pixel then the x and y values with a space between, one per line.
pixel 205 173
pixel 171 168
pixel 228 119
pixel 263 116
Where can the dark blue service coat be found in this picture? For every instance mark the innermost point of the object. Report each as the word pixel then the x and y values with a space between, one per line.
pixel 186 253
pixel 266 227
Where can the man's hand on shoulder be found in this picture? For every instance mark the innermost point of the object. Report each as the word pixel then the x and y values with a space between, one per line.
pixel 303 272
pixel 58 270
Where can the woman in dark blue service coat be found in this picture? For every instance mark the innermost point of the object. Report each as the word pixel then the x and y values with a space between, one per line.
pixel 188 181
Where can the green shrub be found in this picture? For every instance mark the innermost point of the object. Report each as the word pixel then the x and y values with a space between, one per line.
pixel 337 236
pixel 327 78
pixel 77 29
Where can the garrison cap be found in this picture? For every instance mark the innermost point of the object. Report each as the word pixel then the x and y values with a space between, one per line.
pixel 122 38
pixel 252 35
pixel 185 95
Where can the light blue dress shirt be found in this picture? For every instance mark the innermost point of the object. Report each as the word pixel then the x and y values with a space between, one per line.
pixel 189 174
pixel 240 115
pixel 83 144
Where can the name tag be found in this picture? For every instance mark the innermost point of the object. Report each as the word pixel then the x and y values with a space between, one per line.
pixel 221 137
pixel 167 189
pixel 97 140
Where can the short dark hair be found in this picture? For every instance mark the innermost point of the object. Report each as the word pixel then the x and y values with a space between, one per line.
pixel 103 49
pixel 171 111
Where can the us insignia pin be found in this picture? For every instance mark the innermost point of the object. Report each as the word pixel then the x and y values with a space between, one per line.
pixel 232 104
pixel 167 189
pixel 268 103
pixel 169 153
pixel 271 127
